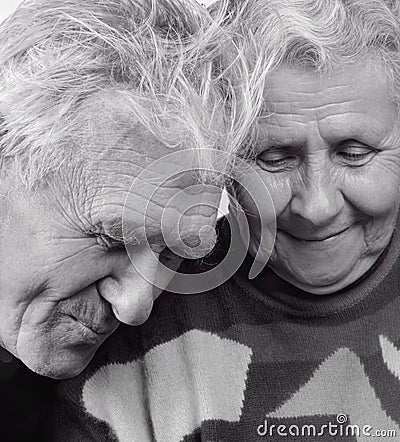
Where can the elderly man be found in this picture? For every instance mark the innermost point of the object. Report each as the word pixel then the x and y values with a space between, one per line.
pixel 91 94
pixel 310 349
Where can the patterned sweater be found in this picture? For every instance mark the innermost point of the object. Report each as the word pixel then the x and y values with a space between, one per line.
pixel 248 361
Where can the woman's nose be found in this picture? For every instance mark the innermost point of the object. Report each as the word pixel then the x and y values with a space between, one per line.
pixel 318 198
pixel 130 293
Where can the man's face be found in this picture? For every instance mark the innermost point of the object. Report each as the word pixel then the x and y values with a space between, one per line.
pixel 330 155
pixel 65 281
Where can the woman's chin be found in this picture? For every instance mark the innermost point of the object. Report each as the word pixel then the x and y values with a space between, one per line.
pixel 323 278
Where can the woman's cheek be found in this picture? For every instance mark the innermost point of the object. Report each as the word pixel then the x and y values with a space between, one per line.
pixel 263 202
pixel 265 211
pixel 374 193
pixel 280 189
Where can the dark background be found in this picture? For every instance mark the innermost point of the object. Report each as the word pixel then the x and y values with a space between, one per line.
pixel 26 402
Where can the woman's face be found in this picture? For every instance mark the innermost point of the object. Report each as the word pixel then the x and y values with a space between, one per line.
pixel 329 152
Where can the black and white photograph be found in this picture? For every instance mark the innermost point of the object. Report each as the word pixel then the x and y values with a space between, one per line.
pixel 200 227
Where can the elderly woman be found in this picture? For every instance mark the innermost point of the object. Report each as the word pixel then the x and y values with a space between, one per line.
pixel 312 344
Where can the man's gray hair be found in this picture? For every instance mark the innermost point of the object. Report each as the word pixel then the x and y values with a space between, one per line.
pixel 168 57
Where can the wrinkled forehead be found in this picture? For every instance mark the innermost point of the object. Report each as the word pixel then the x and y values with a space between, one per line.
pixel 314 89
pixel 142 187
pixel 111 121
pixel 118 123
pixel 356 98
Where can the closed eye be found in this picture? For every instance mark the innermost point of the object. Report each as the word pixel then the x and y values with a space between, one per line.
pixel 109 243
pixel 277 159
pixel 355 154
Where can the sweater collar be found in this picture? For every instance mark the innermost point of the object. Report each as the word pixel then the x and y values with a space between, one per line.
pixel 376 287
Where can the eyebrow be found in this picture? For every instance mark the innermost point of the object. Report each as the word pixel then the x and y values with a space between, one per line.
pixel 369 134
pixel 116 230
pixel 268 141
pixel 366 135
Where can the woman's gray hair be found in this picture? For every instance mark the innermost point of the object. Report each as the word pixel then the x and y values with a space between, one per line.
pixel 167 57
pixel 321 35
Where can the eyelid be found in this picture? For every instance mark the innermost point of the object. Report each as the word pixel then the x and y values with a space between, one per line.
pixel 280 151
pixel 355 156
pixel 108 242
pixel 278 159
pixel 357 148
pixel 274 151
pixel 354 144
pixel 356 151
pixel 284 150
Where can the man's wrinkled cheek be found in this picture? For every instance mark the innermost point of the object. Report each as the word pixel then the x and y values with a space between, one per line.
pixel 50 348
pixel 17 296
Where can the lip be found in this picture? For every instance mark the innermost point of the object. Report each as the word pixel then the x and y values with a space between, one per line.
pixel 91 312
pixel 90 336
pixel 318 238
pixel 84 335
pixel 92 328
pixel 101 323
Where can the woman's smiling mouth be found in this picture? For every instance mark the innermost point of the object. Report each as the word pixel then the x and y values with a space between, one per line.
pixel 317 238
